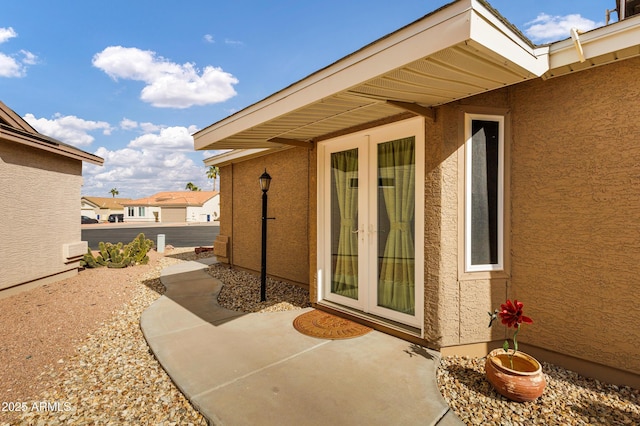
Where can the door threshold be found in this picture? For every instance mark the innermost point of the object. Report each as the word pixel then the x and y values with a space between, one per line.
pixel 384 325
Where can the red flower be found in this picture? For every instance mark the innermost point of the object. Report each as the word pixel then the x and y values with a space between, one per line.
pixel 511 314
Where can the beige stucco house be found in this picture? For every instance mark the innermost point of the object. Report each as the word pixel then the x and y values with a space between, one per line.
pixel 424 179
pixel 39 245
pixel 174 206
pixel 101 207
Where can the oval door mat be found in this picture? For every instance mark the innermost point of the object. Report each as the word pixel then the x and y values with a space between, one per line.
pixel 323 325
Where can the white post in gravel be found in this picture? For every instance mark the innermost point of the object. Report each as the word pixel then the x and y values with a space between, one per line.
pixel 160 244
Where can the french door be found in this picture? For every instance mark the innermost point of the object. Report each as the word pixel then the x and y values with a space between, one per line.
pixel 371 221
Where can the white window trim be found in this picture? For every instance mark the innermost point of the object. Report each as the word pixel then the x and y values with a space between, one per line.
pixel 467 193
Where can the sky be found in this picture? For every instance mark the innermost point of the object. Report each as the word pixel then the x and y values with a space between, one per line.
pixel 131 81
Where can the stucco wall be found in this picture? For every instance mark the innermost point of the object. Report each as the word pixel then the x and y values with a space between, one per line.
pixel 40 194
pixel 572 196
pixel 576 198
pixel 456 304
pixel 288 202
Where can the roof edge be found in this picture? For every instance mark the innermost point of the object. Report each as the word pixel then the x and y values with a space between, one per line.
pixel 240 155
pixel 600 41
pixel 449 11
pixel 45 143
pixel 463 20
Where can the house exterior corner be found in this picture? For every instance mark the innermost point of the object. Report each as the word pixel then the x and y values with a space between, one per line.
pixel 527 190
pixel 41 222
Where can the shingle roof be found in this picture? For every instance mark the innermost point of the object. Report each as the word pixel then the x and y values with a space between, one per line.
pixel 174 199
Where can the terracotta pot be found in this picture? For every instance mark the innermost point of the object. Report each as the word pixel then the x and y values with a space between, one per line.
pixel 524 382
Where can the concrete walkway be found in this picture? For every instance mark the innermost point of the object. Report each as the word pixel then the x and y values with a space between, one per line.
pixel 256 369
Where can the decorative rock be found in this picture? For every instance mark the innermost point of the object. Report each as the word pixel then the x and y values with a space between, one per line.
pixel 569 399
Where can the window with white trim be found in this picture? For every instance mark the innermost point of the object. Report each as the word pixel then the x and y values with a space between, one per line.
pixel 130 211
pixel 484 193
pixel 141 211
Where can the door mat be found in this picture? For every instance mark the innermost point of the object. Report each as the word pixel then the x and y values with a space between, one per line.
pixel 323 325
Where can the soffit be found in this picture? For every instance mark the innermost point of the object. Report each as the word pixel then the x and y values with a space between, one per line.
pixel 459 51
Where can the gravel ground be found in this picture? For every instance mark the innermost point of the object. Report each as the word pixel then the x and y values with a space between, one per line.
pixel 73 353
pixel 241 292
pixel 569 399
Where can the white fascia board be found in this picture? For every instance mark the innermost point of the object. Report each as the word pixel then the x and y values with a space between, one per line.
pixel 601 41
pixel 501 42
pixel 239 155
pixel 445 28
pixel 35 141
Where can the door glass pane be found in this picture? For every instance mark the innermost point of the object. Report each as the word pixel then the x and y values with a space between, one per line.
pixel 396 225
pixel 344 223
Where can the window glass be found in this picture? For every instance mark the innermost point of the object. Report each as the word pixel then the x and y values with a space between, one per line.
pixel 483 234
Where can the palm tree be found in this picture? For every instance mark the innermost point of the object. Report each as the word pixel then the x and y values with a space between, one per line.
pixel 191 187
pixel 114 192
pixel 212 173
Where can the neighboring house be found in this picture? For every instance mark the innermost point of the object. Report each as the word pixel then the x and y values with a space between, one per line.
pixel 101 207
pixel 38 245
pixel 177 206
pixel 427 177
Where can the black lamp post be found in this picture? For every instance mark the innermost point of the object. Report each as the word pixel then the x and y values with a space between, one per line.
pixel 265 181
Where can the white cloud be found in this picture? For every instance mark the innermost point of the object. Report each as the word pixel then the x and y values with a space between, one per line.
pixel 145 127
pixel 138 173
pixel 29 58
pixel 209 38
pixel 127 124
pixel 6 34
pixel 150 127
pixel 69 129
pixel 546 28
pixel 168 84
pixel 170 138
pixel 233 42
pixel 14 65
pixel 9 67
pixel 162 160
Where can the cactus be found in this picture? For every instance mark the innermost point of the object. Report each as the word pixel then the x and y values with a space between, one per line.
pixel 137 250
pixel 119 255
pixel 89 260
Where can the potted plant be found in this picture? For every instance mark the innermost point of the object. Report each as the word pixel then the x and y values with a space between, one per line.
pixel 515 375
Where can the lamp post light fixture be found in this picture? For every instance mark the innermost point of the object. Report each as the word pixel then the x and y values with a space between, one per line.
pixel 265 182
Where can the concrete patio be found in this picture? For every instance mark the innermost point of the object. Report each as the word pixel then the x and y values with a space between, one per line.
pixel 240 369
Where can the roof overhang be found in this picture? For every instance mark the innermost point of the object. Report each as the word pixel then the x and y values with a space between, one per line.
pixel 38 141
pixel 236 155
pixel 460 50
pixel 600 46
pixel 15 129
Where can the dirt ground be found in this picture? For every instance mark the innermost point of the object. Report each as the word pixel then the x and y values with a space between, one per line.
pixel 43 326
